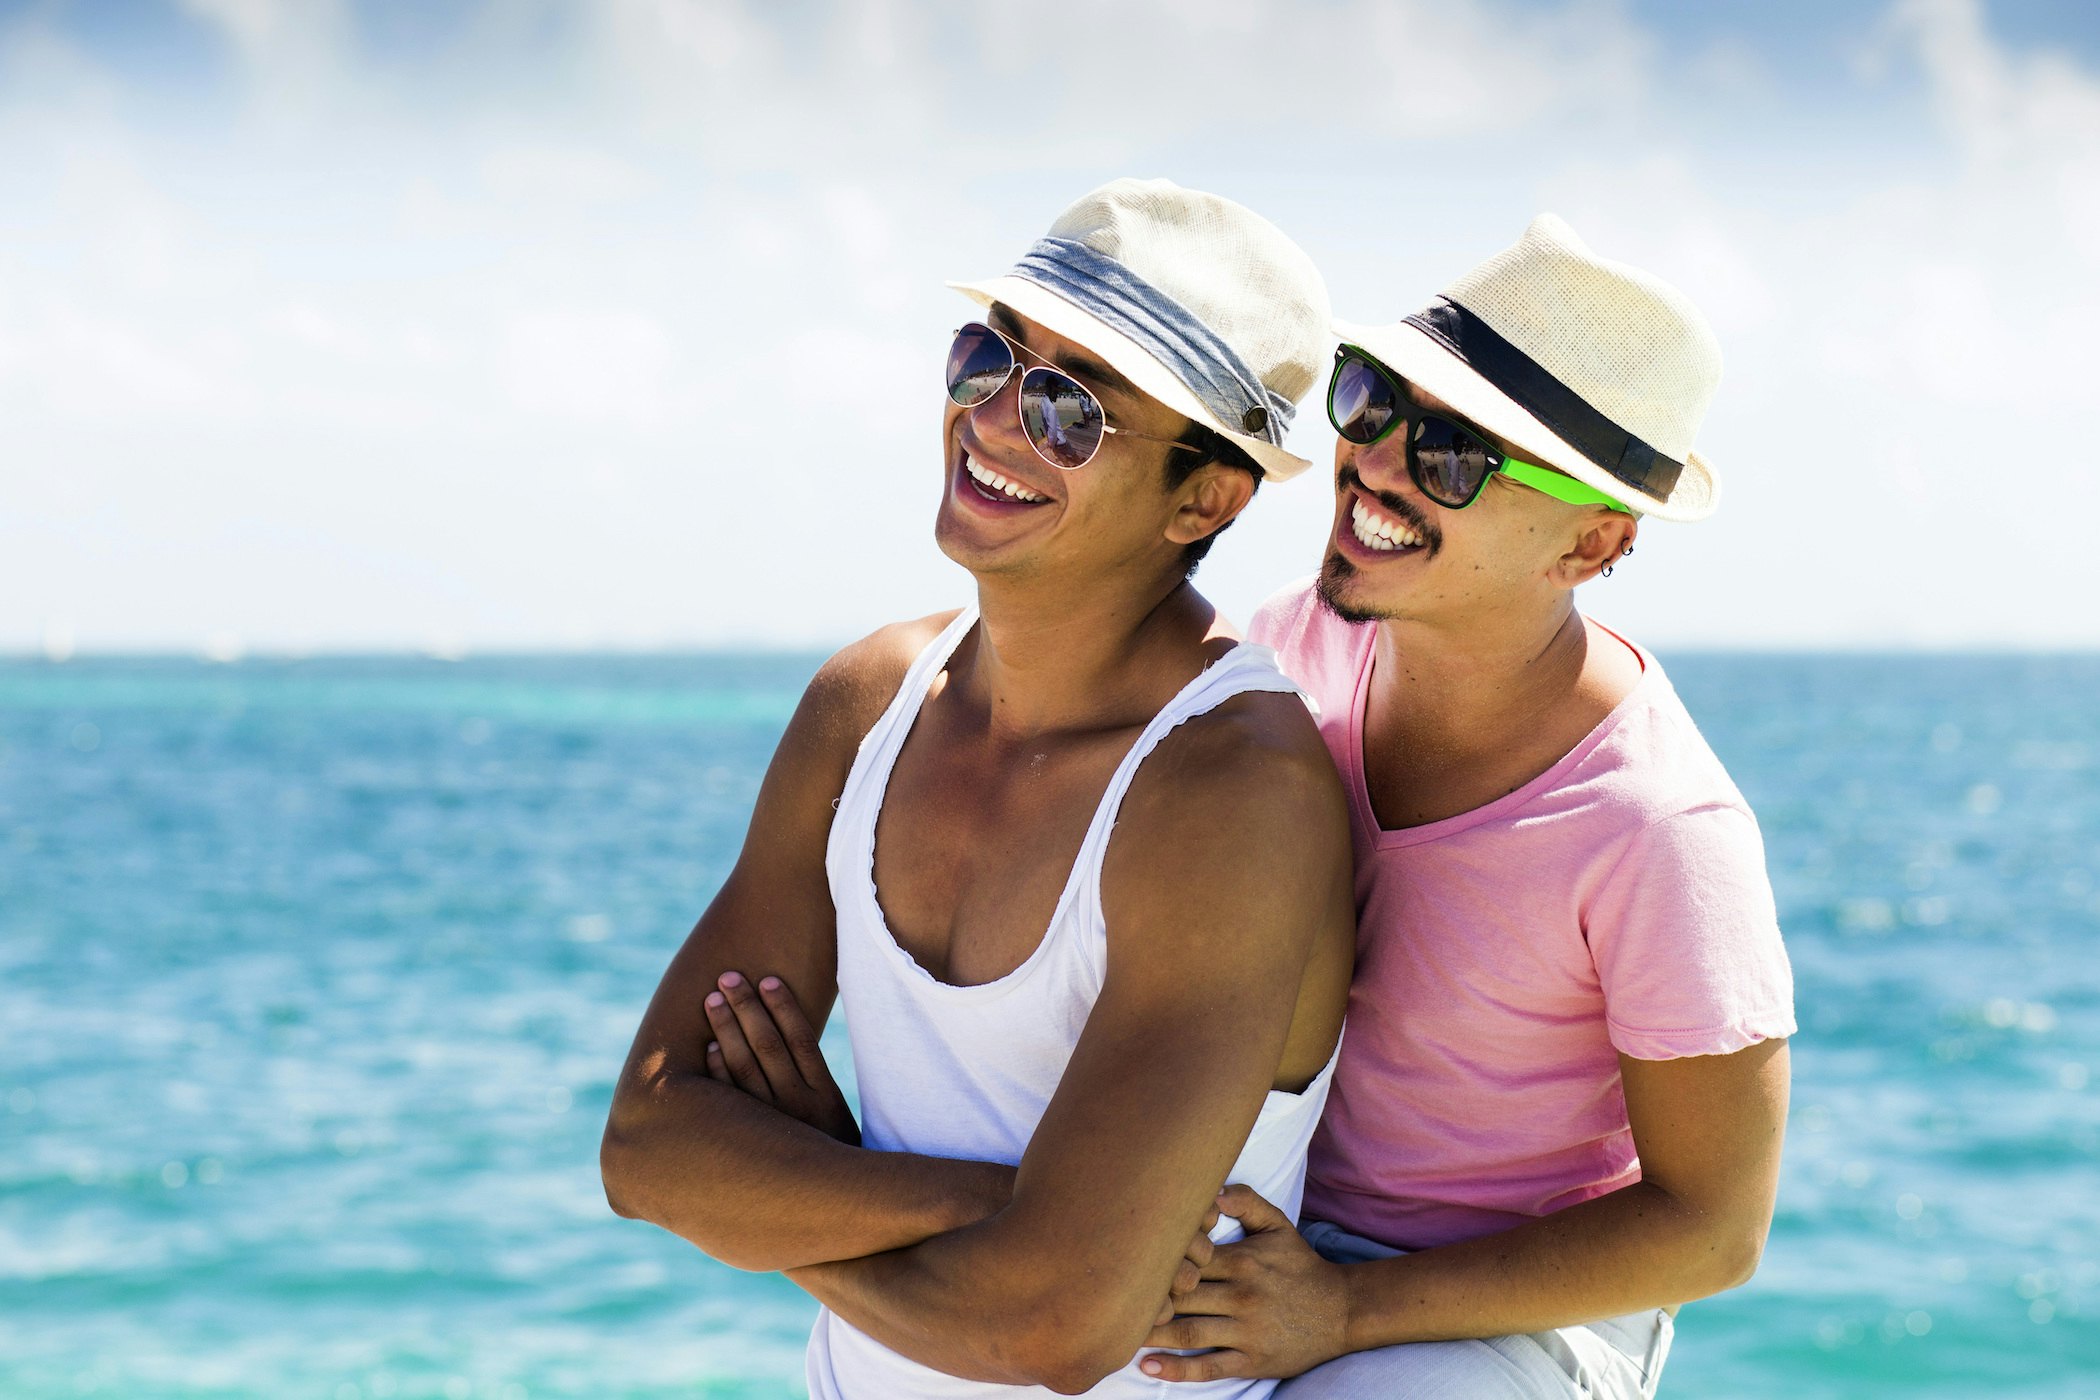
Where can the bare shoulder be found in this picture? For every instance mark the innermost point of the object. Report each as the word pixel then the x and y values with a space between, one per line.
pixel 1231 854
pixel 1254 766
pixel 815 757
pixel 851 689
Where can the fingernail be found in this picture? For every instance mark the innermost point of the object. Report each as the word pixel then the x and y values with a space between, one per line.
pixel 1149 1366
pixel 732 979
pixel 714 1047
pixel 770 984
pixel 714 1000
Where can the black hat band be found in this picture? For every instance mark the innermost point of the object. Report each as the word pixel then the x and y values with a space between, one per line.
pixel 1534 389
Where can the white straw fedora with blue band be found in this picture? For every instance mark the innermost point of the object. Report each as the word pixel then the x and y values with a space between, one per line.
pixel 1589 366
pixel 1199 302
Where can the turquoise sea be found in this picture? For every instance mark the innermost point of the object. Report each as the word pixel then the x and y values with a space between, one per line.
pixel 315 974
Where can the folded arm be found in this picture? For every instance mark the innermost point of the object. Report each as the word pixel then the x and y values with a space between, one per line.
pixel 750 1185
pixel 1230 859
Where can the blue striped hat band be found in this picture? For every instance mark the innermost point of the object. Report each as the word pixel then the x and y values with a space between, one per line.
pixel 1165 329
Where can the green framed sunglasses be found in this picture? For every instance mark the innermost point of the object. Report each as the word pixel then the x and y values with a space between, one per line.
pixel 1449 464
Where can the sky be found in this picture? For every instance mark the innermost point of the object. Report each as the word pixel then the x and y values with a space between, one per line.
pixel 491 325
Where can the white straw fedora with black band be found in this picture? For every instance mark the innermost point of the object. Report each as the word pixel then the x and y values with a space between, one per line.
pixel 1589 366
pixel 1199 302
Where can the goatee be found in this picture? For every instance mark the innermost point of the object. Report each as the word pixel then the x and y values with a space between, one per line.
pixel 1335 572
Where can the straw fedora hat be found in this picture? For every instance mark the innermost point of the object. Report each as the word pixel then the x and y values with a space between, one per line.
pixel 1589 366
pixel 1199 302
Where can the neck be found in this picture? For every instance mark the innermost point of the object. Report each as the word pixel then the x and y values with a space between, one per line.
pixel 1472 682
pixel 1055 656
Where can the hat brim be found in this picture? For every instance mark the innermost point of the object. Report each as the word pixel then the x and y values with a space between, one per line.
pixel 1129 359
pixel 1429 365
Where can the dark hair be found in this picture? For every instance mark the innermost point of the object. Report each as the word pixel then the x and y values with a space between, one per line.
pixel 1212 447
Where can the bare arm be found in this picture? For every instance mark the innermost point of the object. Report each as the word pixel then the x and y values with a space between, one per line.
pixel 1708 1131
pixel 750 1185
pixel 1230 858
pixel 768 1049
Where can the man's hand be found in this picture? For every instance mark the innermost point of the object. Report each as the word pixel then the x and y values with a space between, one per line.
pixel 1268 1305
pixel 765 1046
pixel 1193 1261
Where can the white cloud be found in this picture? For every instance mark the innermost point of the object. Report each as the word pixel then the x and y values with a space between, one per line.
pixel 297 53
pixel 524 340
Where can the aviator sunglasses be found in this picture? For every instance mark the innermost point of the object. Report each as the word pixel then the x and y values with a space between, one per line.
pixel 1449 465
pixel 1060 416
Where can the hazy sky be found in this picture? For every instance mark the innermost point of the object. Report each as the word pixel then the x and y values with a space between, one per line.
pixel 532 323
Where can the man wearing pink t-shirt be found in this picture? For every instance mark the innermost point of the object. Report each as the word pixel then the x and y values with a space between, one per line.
pixel 1558 1109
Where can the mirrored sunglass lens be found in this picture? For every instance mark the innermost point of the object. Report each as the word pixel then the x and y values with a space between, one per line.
pixel 1452 462
pixel 1061 418
pixel 1360 401
pixel 978 364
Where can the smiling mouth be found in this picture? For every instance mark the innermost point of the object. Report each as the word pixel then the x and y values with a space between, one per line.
pixel 995 487
pixel 1376 530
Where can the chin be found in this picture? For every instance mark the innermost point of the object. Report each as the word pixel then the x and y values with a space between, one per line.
pixel 1340 587
pixel 958 546
pixel 982 559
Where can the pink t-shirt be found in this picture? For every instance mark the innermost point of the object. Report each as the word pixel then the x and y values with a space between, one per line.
pixel 1505 957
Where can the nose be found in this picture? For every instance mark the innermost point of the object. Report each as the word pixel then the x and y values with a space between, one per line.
pixel 1382 466
pixel 996 422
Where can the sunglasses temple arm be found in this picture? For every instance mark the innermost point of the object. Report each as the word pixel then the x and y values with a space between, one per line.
pixel 1148 437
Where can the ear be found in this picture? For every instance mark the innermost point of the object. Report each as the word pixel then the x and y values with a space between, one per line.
pixel 1605 536
pixel 1208 501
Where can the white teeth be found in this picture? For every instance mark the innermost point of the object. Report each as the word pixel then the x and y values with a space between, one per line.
pixel 987 477
pixel 1376 531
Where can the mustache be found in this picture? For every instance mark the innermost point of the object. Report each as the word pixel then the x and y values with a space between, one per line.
pixel 1398 506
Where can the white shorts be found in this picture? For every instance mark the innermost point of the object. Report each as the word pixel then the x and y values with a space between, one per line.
pixel 1620 1358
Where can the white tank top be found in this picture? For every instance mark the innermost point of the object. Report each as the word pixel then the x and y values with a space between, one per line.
pixel 966 1072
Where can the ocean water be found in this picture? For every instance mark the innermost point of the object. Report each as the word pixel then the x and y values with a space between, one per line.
pixel 314 977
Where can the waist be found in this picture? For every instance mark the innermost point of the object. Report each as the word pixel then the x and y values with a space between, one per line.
pixel 845 1363
pixel 1421 1213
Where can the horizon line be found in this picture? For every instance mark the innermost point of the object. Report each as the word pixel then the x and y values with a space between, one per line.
pixel 669 651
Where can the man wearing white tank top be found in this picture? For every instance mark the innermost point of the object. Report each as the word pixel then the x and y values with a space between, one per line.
pixel 1074 862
